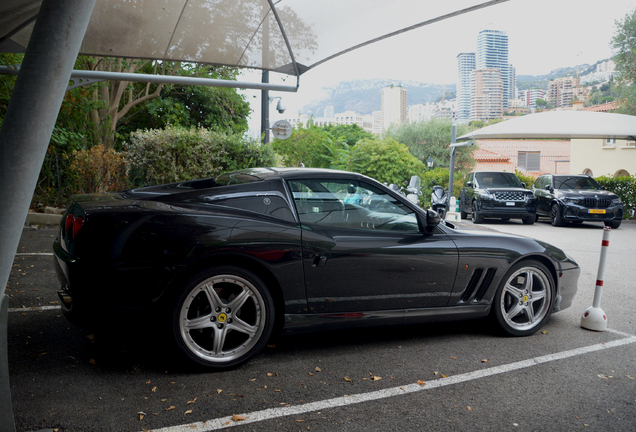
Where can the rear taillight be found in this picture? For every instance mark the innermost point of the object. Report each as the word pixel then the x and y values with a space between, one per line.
pixel 73 222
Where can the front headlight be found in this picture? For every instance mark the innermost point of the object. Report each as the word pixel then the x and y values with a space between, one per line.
pixel 485 194
pixel 570 200
pixel 617 201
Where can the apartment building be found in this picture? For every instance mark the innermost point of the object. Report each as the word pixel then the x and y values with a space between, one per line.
pixel 561 91
pixel 393 106
pixel 486 94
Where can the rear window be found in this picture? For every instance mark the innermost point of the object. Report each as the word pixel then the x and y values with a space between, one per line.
pixel 243 176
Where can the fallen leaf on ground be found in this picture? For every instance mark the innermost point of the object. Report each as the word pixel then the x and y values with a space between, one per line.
pixel 237 418
pixel 469 408
pixel 420 382
pixel 192 401
pixel 348 379
pixel 154 389
pixel 270 374
pixel 170 408
pixel 455 358
pixel 629 376
pixel 187 412
pixel 310 373
pixel 605 376
pixel 444 376
pixel 318 369
pixel 92 361
pixel 484 361
pixel 544 332
pixel 299 420
pixel 218 391
pixel 376 378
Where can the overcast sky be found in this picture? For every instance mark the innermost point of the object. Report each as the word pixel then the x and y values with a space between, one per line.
pixel 543 35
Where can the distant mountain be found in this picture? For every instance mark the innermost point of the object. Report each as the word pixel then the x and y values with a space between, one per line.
pixel 525 82
pixel 364 96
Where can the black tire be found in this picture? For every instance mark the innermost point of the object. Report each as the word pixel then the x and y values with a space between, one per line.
pixel 475 216
pixel 529 220
pixel 222 317
pixel 462 213
pixel 613 224
pixel 555 216
pixel 520 309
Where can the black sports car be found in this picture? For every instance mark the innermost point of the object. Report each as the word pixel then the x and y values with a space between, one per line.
pixel 576 198
pixel 227 262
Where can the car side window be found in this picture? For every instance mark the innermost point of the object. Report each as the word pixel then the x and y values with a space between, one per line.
pixel 350 204
pixel 270 204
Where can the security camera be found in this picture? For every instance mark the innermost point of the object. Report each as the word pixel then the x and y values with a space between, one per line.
pixel 280 107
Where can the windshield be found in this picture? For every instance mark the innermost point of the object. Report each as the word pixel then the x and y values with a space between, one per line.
pixel 497 179
pixel 566 182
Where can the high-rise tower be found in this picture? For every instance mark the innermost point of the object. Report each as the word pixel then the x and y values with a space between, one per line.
pixel 465 65
pixel 393 106
pixel 492 53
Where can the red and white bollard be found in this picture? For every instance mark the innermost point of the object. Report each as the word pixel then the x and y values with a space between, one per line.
pixel 594 317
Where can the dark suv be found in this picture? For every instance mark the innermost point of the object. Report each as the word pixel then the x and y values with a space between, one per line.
pixel 576 198
pixel 491 194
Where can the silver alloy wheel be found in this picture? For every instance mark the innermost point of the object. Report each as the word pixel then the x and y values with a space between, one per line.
pixel 222 318
pixel 525 299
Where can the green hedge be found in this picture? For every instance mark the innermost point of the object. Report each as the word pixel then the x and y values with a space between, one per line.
pixel 624 187
pixel 176 154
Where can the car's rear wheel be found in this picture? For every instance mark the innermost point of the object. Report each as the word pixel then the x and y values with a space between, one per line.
pixel 524 299
pixel 555 216
pixel 613 224
pixel 529 220
pixel 475 216
pixel 223 317
pixel 462 213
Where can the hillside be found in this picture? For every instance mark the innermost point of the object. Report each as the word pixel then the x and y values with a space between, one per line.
pixel 364 96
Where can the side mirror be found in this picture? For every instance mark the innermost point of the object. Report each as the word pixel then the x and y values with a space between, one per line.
pixel 602 187
pixel 432 220
pixel 523 184
pixel 548 188
pixel 469 184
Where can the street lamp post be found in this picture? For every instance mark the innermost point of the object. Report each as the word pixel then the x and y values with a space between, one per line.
pixel 430 163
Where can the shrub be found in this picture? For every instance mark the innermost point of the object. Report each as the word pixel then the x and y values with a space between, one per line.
pixel 98 170
pixel 177 154
pixel 624 187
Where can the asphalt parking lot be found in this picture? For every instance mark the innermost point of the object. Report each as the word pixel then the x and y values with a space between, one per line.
pixel 438 377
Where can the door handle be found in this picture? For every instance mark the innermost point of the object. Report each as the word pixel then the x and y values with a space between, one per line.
pixel 320 260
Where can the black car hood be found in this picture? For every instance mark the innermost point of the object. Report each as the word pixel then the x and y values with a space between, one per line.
pixel 582 193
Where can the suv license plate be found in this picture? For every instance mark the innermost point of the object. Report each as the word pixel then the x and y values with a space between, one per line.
pixel 597 211
pixel 510 204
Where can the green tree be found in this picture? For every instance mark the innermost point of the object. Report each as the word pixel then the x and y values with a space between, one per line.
pixel 304 146
pixel 351 133
pixel 387 160
pixel 432 138
pixel 624 44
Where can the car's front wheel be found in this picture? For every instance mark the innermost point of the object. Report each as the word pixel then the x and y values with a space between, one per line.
pixel 223 317
pixel 475 216
pixel 614 223
pixel 555 216
pixel 530 220
pixel 524 299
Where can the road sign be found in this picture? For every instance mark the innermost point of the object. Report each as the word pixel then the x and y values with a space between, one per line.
pixel 282 129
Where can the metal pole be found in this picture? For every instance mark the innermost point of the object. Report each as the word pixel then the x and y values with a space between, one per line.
pixel 26 131
pixel 451 176
pixel 265 79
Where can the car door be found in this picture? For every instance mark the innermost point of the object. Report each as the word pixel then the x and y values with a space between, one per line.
pixel 363 250
pixel 543 195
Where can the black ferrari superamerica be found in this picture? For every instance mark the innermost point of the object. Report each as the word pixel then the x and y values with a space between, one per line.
pixel 227 262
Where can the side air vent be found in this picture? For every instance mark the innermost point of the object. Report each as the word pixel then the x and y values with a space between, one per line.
pixel 472 284
pixel 478 284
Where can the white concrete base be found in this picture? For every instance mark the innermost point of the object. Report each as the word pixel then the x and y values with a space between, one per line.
pixel 452 216
pixel 594 319
pixel 43 219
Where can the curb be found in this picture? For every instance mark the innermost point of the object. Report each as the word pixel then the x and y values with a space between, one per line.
pixel 43 219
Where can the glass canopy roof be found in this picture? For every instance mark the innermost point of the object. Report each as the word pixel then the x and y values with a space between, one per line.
pixel 288 36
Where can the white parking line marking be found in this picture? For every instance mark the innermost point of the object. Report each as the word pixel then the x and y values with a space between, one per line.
pixel 35 309
pixel 272 413
pixel 35 254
